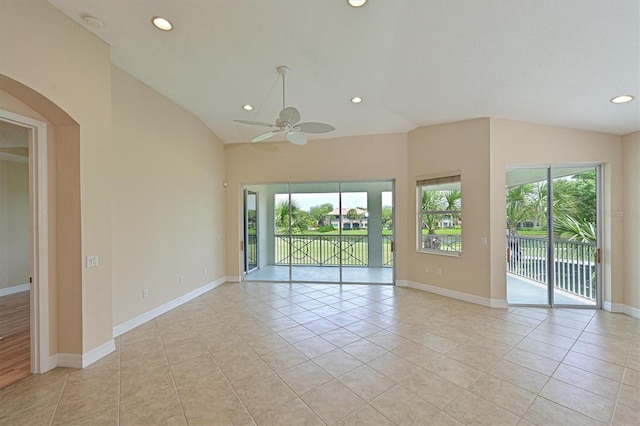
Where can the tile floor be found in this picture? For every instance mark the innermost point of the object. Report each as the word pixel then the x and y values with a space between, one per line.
pixel 279 354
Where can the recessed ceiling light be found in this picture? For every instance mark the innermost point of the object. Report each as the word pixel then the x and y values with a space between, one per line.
pixel 247 107
pixel 93 22
pixel 622 99
pixel 162 23
pixel 356 3
pixel 356 99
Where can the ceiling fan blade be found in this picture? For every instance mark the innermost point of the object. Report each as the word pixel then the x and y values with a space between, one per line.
pixel 290 115
pixel 265 136
pixel 312 127
pixel 254 123
pixel 296 138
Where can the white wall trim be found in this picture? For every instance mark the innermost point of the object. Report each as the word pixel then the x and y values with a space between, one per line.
pixel 148 316
pixel 492 303
pixel 39 222
pixel 66 360
pixel 98 353
pixel 14 289
pixel 621 308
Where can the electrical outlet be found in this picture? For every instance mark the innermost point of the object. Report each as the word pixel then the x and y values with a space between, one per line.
pixel 145 292
pixel 181 280
pixel 92 261
pixel 438 271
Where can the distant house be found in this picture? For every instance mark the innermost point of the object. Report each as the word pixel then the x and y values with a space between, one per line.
pixel 338 217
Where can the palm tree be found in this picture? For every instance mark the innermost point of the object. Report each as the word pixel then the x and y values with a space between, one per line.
pixel 519 206
pixel 432 201
pixel 298 219
pixel 452 199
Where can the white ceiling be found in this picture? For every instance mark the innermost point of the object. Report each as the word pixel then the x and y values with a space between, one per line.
pixel 414 62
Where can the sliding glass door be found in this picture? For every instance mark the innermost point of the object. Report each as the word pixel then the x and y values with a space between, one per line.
pixel 552 236
pixel 326 232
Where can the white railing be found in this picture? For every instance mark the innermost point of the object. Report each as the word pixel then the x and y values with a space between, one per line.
pixel 574 263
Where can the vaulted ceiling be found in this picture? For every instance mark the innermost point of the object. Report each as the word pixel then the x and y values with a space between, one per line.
pixel 414 62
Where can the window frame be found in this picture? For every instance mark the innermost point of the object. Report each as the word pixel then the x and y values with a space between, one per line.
pixel 425 182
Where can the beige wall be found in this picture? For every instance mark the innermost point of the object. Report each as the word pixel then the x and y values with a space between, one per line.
pixel 378 157
pixel 631 219
pixel 517 143
pixel 49 53
pixel 14 224
pixel 435 150
pixel 167 200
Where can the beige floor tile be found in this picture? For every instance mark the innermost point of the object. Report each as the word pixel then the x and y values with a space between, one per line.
pixel 471 409
pixel 443 419
pixel 364 350
pixel 262 391
pixel 337 362
pixel 614 356
pixel 503 394
pixel 332 401
pixel 314 347
pixel 404 407
pixel 432 388
pixel 555 353
pixel 363 328
pixel 473 356
pixel 321 326
pixel 365 416
pixel 304 377
pixel 436 343
pixel 283 358
pixel 579 400
pixel 594 365
pixel 629 396
pixel 340 337
pixel 519 376
pixel 185 351
pixel 394 367
pixel 269 343
pixel 626 416
pixel 547 413
pixel 416 353
pixel 294 412
pixel 296 334
pixel 227 410
pixel 455 371
pixel 36 415
pixel 551 338
pixel 532 361
pixel 588 381
pixel 631 377
pixel 280 324
pixel 365 382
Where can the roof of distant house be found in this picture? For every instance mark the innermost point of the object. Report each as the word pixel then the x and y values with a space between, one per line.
pixel 345 210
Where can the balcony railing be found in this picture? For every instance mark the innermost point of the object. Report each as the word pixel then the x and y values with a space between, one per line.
pixel 574 263
pixel 442 242
pixel 327 250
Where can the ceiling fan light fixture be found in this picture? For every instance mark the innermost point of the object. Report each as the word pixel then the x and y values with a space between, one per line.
pixel 356 3
pixel 247 107
pixel 162 23
pixel 356 99
pixel 622 99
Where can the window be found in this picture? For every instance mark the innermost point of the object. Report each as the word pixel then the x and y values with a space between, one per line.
pixel 439 221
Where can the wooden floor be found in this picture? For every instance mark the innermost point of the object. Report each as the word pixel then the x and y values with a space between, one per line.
pixel 15 351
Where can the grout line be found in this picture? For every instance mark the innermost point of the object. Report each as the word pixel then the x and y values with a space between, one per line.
pixel 59 399
pixel 175 387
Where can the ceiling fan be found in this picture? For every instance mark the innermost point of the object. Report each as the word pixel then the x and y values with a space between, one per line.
pixel 288 122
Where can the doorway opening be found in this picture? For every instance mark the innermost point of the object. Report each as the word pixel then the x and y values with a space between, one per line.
pixel 553 234
pixel 15 287
pixel 320 232
pixel 24 309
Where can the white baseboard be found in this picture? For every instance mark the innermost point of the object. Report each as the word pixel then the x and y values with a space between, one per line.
pixel 14 289
pixel 492 303
pixel 98 353
pixel 148 316
pixel 621 308
pixel 66 360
